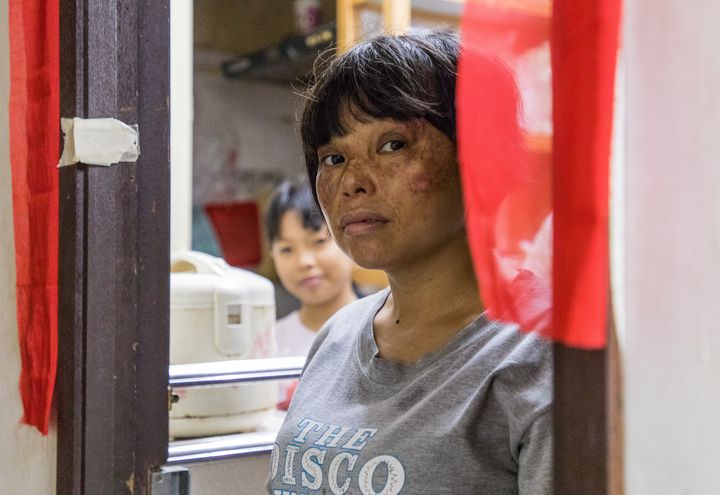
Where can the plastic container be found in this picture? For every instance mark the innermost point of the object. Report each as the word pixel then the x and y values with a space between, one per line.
pixel 219 313
pixel 237 229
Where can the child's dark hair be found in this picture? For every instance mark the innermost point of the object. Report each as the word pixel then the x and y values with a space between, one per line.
pixel 292 197
pixel 397 77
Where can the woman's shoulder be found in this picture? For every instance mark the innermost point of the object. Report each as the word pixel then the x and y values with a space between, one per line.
pixel 520 347
pixel 522 377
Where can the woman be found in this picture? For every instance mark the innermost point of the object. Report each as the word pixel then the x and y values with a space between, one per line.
pixel 309 264
pixel 412 390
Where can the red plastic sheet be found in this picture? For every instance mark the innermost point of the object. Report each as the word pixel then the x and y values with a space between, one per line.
pixel 34 151
pixel 533 142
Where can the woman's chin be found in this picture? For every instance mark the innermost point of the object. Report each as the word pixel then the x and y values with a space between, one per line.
pixel 371 263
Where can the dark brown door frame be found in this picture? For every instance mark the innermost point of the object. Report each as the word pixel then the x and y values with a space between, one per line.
pixel 588 434
pixel 114 253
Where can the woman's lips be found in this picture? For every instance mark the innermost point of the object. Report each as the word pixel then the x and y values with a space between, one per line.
pixel 364 227
pixel 361 223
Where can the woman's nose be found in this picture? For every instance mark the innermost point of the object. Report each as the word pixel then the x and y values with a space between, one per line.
pixel 357 179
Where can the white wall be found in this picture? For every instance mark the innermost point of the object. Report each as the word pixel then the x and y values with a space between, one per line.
pixel 181 123
pixel 672 247
pixel 27 459
pixel 245 135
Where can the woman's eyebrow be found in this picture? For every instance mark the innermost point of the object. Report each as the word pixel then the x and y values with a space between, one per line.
pixel 324 148
pixel 335 141
pixel 407 129
pixel 399 127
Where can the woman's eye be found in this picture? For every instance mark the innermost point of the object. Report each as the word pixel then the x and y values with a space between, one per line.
pixel 392 145
pixel 331 160
pixel 285 250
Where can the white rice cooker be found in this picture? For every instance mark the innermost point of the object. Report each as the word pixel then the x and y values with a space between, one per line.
pixel 219 313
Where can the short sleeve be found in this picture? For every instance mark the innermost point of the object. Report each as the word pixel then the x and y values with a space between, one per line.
pixel 535 469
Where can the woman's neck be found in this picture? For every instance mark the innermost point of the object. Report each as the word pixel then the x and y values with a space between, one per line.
pixel 429 303
pixel 442 283
pixel 313 316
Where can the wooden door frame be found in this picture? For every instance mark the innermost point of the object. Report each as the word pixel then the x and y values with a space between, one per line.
pixel 114 252
pixel 588 419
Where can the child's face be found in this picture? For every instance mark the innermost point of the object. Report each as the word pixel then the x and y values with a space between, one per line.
pixel 390 191
pixel 309 263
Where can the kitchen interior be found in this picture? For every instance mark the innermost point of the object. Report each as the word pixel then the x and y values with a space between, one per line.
pixel 237 73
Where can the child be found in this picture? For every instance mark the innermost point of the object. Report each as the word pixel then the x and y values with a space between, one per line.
pixel 309 264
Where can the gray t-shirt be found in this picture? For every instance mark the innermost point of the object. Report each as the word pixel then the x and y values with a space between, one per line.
pixel 471 418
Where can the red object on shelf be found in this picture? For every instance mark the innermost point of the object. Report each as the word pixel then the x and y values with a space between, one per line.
pixel 237 227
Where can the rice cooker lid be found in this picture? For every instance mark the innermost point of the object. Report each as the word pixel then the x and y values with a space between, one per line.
pixel 200 280
pixel 203 290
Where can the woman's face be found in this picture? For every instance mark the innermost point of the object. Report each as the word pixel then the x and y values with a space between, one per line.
pixel 309 263
pixel 390 191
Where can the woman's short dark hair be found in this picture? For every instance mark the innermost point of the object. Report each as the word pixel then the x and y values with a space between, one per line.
pixel 397 77
pixel 297 198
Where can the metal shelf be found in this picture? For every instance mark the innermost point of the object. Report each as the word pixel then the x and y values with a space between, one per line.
pixel 224 447
pixel 230 372
pixel 225 373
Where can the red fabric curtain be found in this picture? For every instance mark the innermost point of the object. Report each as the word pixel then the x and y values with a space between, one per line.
pixel 34 151
pixel 534 103
pixel 504 136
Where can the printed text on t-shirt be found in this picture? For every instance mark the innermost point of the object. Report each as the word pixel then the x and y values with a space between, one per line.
pixel 309 463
